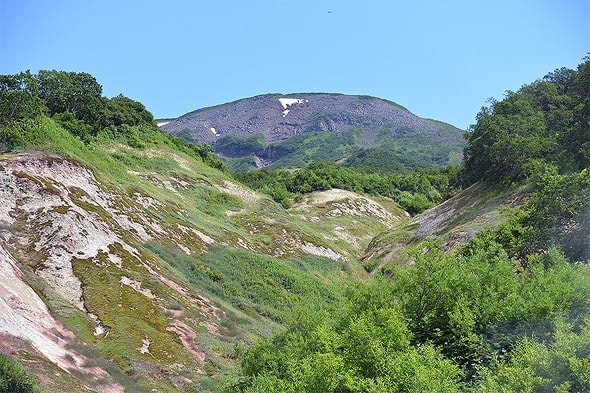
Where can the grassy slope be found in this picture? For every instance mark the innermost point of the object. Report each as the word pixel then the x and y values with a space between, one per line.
pixel 454 221
pixel 246 267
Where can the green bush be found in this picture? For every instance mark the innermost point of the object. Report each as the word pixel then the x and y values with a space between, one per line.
pixel 14 377
pixel 414 191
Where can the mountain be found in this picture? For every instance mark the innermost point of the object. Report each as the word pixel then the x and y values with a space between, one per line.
pixel 294 129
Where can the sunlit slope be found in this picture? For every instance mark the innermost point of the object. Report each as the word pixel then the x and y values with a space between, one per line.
pixel 154 265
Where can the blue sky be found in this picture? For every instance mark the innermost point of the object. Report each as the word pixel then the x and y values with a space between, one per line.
pixel 439 59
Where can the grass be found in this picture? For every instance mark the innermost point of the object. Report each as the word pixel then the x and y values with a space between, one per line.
pixel 257 284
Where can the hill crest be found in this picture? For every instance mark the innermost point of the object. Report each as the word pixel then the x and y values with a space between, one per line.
pixel 352 123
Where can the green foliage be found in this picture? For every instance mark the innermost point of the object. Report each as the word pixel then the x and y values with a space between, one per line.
pixel 232 146
pixel 414 192
pixel 363 345
pixel 445 322
pixel 548 119
pixel 414 203
pixel 76 127
pixel 124 110
pixel 14 377
pixel 72 92
pixel 562 365
pixel 19 97
pixel 557 213
pixel 383 159
pixel 18 101
pixel 203 152
pixel 308 147
pixel 74 102
pixel 41 133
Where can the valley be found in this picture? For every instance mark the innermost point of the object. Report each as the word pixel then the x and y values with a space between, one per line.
pixel 137 260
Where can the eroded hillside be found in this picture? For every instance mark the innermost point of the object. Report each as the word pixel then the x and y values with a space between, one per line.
pixel 453 223
pixel 144 272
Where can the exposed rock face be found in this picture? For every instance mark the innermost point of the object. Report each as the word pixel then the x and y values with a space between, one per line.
pixel 43 199
pixel 67 230
pixel 279 117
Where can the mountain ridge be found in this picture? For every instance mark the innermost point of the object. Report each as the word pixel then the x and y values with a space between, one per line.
pixel 262 126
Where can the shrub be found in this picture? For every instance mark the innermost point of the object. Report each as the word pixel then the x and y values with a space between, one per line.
pixel 14 377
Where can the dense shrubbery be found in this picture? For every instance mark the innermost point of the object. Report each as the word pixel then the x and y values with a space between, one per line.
pixel 414 191
pixel 485 317
pixel 75 102
pixel 444 324
pixel 508 311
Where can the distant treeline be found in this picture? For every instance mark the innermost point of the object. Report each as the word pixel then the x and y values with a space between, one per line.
pixel 414 191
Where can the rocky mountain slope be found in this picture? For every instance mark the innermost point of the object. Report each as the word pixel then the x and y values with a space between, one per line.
pixel 142 271
pixel 260 127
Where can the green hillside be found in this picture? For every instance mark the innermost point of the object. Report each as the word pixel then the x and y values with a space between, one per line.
pixel 390 153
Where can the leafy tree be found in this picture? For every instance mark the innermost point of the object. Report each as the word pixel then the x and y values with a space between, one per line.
pixel 548 119
pixel 19 97
pixel 69 92
pixel 18 101
pixel 124 110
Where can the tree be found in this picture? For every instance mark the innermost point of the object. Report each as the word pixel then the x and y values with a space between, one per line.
pixel 124 110
pixel 548 119
pixel 75 92
pixel 19 97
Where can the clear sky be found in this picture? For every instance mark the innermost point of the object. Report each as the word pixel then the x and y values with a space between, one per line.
pixel 439 59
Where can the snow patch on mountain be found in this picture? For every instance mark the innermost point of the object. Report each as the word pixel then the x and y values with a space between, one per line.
pixel 288 102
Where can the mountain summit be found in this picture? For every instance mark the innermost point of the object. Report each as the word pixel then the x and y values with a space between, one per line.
pixel 289 129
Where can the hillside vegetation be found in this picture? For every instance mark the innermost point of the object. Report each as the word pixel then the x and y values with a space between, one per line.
pixel 133 262
pixel 147 267
pixel 505 311
pixel 414 191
